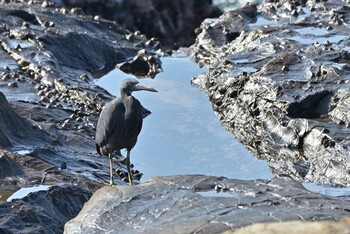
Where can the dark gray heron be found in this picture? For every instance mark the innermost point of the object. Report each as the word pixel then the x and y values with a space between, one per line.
pixel 120 123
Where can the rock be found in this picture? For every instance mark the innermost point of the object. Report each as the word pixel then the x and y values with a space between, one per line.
pixel 16 130
pixel 47 122
pixel 278 82
pixel 50 62
pixel 173 22
pixel 91 55
pixel 189 204
pixel 142 65
pixel 43 211
pixel 9 167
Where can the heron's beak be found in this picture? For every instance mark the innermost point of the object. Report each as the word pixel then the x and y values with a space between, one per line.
pixel 139 87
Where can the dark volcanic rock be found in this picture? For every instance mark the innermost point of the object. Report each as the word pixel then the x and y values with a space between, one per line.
pixel 173 22
pixel 278 79
pixel 16 130
pixel 42 212
pixel 92 55
pixel 9 167
pixel 189 204
pixel 49 105
pixel 54 65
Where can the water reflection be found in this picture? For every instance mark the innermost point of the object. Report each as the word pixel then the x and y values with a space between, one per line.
pixel 183 135
pixel 9 195
pixel 328 190
pixel 213 193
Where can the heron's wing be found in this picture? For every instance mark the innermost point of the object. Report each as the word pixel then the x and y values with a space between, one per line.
pixel 112 116
pixel 145 112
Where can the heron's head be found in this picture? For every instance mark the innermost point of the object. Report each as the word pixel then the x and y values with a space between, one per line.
pixel 130 85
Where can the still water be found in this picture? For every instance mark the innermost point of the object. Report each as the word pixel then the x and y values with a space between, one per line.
pixel 183 135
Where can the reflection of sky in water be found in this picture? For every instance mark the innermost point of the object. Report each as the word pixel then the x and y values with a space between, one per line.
pixel 321 40
pixel 22 192
pixel 328 190
pixel 213 193
pixel 227 5
pixel 309 35
pixel 312 31
pixel 261 21
pixel 183 135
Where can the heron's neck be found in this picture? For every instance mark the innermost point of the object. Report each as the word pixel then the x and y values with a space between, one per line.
pixel 126 99
pixel 125 94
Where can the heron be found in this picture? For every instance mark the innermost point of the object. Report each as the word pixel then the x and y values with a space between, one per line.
pixel 120 123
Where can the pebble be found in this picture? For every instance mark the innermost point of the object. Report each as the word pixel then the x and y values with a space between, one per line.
pixel 119 172
pixel 48 24
pixel 40 93
pixel 84 77
pixel 138 176
pixel 79 119
pixel 218 187
pixel 6 76
pixel 12 84
pixel 125 179
pixel 77 11
pixel 63 165
pixel 46 4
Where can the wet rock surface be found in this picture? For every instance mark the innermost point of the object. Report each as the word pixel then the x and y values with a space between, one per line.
pixel 278 79
pixel 173 22
pixel 42 212
pixel 53 109
pixel 282 95
pixel 49 106
pixel 190 204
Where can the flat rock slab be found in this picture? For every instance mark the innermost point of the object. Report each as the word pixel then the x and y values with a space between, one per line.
pixel 190 204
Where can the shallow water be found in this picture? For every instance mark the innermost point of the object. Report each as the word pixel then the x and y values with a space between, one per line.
pixel 183 135
pixel 22 192
pixel 309 37
pixel 328 190
pixel 227 5
pixel 213 193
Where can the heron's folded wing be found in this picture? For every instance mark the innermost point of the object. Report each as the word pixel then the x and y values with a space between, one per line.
pixel 110 118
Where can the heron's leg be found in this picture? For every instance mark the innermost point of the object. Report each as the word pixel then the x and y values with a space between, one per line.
pixel 111 181
pixel 128 167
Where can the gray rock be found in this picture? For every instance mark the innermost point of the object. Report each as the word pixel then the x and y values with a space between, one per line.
pixel 53 111
pixel 15 130
pixel 189 204
pixel 42 212
pixel 279 82
pixel 53 56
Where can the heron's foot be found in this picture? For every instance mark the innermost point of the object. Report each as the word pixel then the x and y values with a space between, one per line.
pixel 111 183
